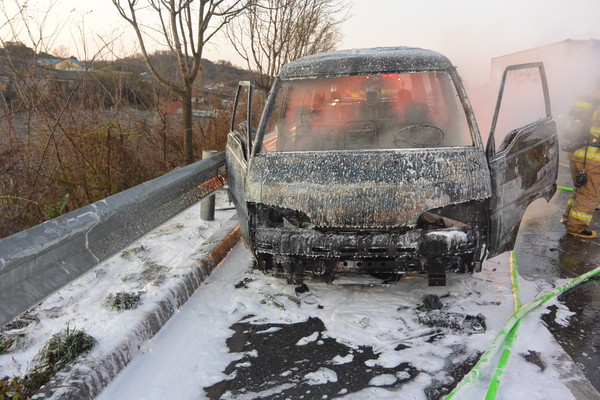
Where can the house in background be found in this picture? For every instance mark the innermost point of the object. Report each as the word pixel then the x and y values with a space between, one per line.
pixel 67 64
pixel 71 64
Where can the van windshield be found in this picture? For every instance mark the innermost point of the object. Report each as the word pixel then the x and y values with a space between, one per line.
pixel 391 111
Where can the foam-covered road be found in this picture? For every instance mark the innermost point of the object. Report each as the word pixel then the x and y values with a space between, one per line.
pixel 244 335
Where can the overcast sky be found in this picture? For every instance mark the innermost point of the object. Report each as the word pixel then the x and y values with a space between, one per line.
pixel 469 32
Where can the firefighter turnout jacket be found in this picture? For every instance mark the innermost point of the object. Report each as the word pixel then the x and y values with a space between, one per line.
pixel 586 158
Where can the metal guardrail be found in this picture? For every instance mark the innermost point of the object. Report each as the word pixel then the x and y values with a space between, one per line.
pixel 40 260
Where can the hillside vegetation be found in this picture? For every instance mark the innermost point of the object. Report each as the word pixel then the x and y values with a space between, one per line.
pixel 70 137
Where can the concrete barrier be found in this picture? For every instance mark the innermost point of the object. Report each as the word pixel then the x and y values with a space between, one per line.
pixel 38 261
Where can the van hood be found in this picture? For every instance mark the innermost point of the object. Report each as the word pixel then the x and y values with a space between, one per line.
pixel 370 188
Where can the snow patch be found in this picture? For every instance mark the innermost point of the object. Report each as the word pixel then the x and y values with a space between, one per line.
pixel 308 339
pixel 323 375
pixel 383 380
pixel 339 360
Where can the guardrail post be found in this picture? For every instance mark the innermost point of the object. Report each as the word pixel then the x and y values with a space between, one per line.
pixel 207 205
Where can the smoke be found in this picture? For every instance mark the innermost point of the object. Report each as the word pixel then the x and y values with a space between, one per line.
pixel 572 69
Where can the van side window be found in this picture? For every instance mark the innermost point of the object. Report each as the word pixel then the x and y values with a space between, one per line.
pixel 522 104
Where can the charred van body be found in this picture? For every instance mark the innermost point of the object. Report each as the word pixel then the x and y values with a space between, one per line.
pixel 371 161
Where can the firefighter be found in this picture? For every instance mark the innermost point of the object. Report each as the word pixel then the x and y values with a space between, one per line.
pixel 584 162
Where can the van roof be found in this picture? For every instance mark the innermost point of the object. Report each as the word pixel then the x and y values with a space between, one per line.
pixel 378 60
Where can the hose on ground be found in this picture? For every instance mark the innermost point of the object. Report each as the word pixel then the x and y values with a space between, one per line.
pixel 512 335
pixel 485 362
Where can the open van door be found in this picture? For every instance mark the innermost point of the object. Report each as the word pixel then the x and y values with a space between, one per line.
pixel 523 162
pixel 239 145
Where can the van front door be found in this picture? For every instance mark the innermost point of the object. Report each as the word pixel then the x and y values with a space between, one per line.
pixel 524 162
pixel 239 144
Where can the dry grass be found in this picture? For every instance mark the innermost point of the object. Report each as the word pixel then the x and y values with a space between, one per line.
pixel 53 168
pixel 12 389
pixel 60 350
pixel 64 347
pixel 122 301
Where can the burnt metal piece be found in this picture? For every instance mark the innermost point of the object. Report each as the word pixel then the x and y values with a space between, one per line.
pixel 301 289
pixel 470 324
pixel 534 357
pixel 436 272
pixel 432 302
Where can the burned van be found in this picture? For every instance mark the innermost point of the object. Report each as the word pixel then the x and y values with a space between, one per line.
pixel 371 161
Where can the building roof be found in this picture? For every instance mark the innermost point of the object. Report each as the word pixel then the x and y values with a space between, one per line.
pixel 51 61
pixel 55 61
pixel 365 61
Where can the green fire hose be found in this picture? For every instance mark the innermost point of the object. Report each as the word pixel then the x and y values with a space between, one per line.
pixel 507 335
pixel 566 189
pixel 512 335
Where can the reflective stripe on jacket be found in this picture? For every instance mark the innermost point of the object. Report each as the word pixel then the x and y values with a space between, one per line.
pixel 592 153
pixel 595 127
pixel 583 104
pixel 585 217
pixel 581 110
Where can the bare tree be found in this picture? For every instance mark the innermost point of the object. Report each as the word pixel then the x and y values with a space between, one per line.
pixel 272 33
pixel 186 26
